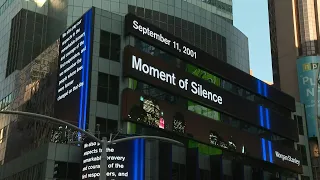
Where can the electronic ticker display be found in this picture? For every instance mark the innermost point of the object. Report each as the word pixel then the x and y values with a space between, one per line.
pixel 156 72
pixel 148 111
pixel 169 43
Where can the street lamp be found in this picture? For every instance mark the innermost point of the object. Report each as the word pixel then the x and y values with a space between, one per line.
pixel 104 142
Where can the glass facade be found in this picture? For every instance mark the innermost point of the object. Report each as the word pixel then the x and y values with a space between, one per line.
pixel 294 33
pixel 27 39
pixel 307 21
pixel 200 15
pixel 206 24
pixel 305 15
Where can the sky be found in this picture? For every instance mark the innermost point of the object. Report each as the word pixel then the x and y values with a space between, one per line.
pixel 251 18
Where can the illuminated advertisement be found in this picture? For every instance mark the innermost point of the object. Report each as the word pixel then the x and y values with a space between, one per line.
pixel 141 109
pixel 125 160
pixel 307 69
pixel 74 68
pixel 181 121
pixel 169 43
pixel 155 72
pixel 192 106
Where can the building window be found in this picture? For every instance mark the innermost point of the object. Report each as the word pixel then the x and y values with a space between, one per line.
pixel 5 102
pixel 302 150
pixel 178 171
pixel 108 88
pixel 304 177
pixel 204 174
pixel 300 124
pixel 101 125
pixel 110 45
pixel 66 170
pixel 27 39
pixel 104 126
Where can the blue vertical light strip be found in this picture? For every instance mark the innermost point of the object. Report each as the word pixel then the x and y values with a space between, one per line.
pixel 88 26
pixel 264 121
pixel 141 159
pixel 264 154
pixel 267 118
pixel 259 86
pixel 82 80
pixel 261 116
pixel 135 159
pixel 265 90
pixel 270 152
pixel 85 67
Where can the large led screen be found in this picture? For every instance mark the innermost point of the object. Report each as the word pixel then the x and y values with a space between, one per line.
pixel 154 71
pixel 73 71
pixel 145 110
pixel 169 43
pixel 125 160
pixel 307 70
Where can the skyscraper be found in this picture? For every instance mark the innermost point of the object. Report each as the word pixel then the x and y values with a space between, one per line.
pixel 170 68
pixel 295 39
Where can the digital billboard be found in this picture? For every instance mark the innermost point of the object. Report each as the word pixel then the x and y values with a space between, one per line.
pixel 74 68
pixel 155 72
pixel 169 43
pixel 192 106
pixel 125 160
pixel 307 69
pixel 145 110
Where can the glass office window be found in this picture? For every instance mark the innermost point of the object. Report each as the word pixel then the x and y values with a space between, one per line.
pixel 300 124
pixel 110 45
pixel 303 152
pixel 108 88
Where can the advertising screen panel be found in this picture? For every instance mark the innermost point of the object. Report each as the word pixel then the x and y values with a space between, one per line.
pixel 210 78
pixel 145 110
pixel 125 160
pixel 187 52
pixel 74 68
pixel 307 69
pixel 156 72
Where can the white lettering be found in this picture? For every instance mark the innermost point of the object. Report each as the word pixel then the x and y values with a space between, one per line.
pixel 287 158
pixel 147 31
pixel 135 24
pixel 197 89
pixel 91 165
pixel 152 71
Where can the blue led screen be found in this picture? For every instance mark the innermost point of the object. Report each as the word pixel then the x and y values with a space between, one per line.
pixel 74 67
pixel 125 160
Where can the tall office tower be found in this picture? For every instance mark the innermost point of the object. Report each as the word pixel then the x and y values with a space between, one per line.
pixel 295 38
pixel 170 68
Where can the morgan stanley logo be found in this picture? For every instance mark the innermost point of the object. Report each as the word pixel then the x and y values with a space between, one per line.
pixel 287 158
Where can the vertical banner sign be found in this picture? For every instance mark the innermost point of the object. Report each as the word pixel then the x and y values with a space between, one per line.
pixel 73 71
pixel 125 160
pixel 307 70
